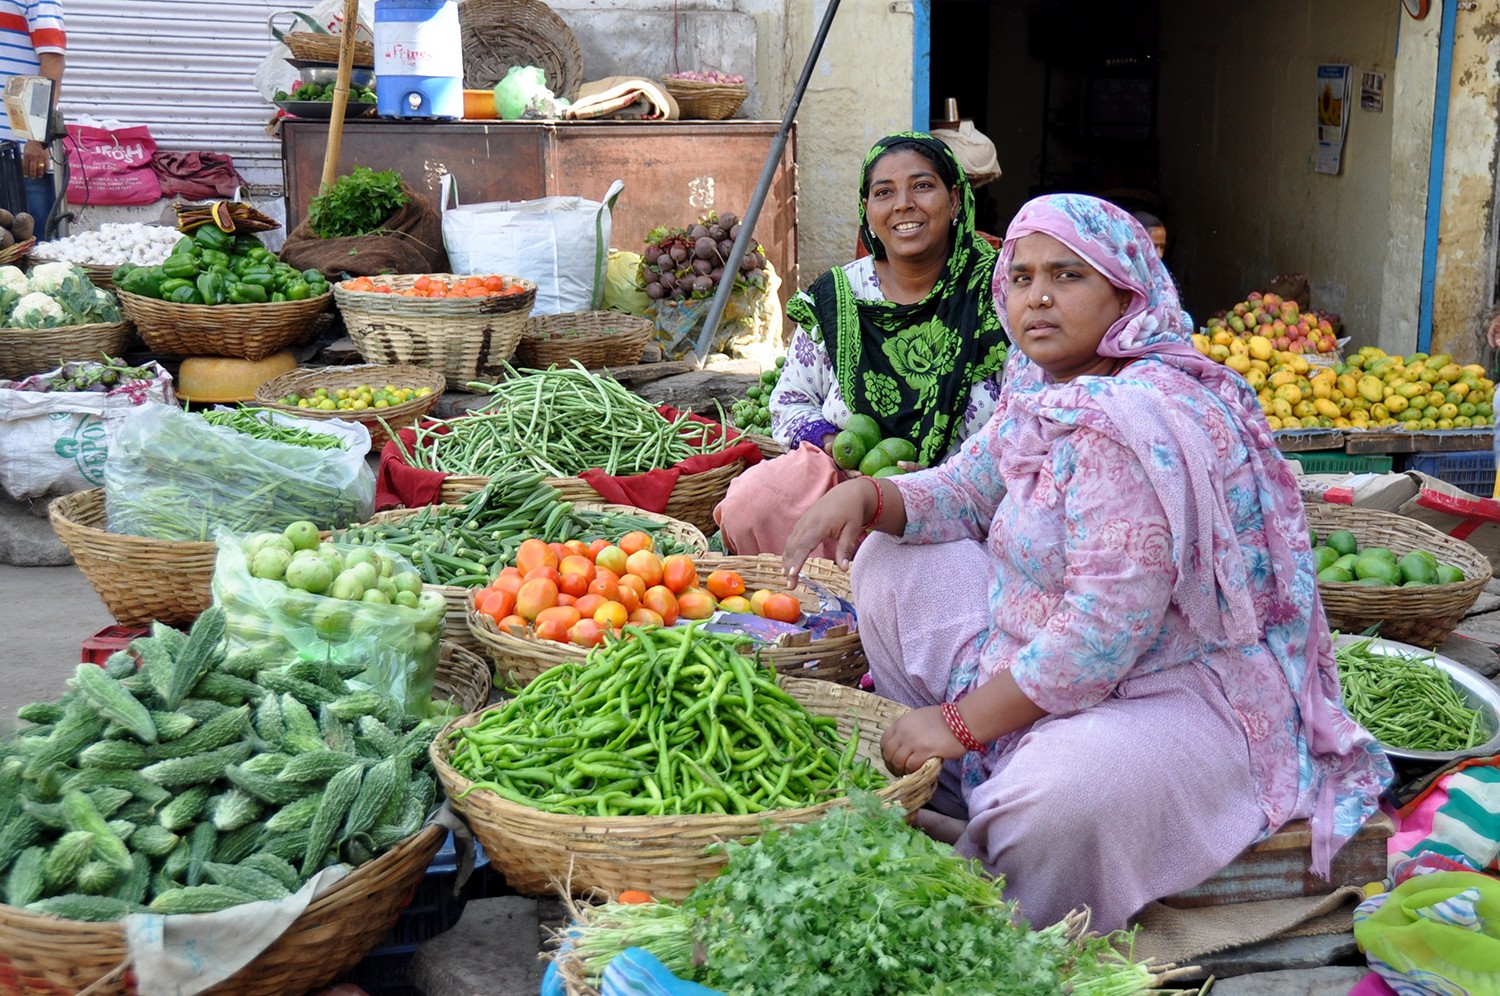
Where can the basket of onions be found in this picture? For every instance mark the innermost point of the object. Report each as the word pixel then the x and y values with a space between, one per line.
pixel 708 96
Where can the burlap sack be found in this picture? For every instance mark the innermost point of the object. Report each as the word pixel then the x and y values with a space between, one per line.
pixel 410 241
pixel 1182 936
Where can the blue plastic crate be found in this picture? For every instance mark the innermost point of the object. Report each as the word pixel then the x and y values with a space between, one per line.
pixel 1471 470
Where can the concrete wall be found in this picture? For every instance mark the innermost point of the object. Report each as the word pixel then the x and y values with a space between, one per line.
pixel 1237 168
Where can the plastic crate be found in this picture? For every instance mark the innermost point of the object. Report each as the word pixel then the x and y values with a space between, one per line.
pixel 97 649
pixel 433 909
pixel 1337 462
pixel 1471 470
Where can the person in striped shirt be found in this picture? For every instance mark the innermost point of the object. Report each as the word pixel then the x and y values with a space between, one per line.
pixel 33 43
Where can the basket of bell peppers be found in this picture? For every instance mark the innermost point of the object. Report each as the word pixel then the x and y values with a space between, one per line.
pixel 176 304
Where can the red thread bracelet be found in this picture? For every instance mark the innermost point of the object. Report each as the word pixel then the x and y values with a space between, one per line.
pixel 959 728
pixel 879 504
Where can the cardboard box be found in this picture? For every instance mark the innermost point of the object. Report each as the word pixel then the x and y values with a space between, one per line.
pixel 1448 509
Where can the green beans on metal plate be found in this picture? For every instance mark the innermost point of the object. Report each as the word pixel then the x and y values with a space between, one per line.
pixel 1405 701
pixel 665 721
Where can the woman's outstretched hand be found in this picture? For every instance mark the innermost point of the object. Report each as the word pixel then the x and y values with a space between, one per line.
pixel 840 515
pixel 916 737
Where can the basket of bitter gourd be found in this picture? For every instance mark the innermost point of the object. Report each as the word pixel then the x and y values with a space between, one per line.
pixel 181 779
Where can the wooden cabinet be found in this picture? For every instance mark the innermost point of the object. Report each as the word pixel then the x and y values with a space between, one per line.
pixel 673 170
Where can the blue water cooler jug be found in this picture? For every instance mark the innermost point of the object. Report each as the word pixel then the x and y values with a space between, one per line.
pixel 419 61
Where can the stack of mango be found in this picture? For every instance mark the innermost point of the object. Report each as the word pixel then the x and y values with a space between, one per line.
pixel 1371 390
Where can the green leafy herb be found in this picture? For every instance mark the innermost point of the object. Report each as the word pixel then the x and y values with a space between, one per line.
pixel 358 203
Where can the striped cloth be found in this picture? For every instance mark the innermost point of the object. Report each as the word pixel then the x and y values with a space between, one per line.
pixel 1434 933
pixel 1453 826
pixel 28 30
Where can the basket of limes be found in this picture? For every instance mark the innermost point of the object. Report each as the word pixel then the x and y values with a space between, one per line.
pixel 860 446
pixel 377 395
pixel 1402 576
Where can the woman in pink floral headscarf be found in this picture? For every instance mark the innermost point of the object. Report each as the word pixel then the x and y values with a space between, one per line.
pixel 1142 683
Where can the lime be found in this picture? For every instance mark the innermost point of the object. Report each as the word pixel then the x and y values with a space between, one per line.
pixel 1324 556
pixel 900 450
pixel 1335 574
pixel 1374 566
pixel 1346 562
pixel 848 449
pixel 875 460
pixel 888 472
pixel 866 428
pixel 1379 551
pixel 1448 574
pixel 1342 540
pixel 1312 536
pixel 1415 569
pixel 1426 555
pixel 1373 582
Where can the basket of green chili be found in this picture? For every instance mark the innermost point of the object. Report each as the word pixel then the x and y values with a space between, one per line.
pixel 619 772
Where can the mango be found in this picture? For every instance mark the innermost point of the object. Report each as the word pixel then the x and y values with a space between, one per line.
pixel 1260 347
pixel 1371 389
pixel 1326 408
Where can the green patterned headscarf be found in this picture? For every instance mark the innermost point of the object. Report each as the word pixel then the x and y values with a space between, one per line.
pixel 911 366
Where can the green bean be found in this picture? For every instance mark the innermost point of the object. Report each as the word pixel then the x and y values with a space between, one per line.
pixel 1406 702
pixel 249 421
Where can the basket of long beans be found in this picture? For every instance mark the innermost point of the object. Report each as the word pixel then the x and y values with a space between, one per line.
pixel 566 420
pixel 460 547
pixel 1423 616
pixel 598 776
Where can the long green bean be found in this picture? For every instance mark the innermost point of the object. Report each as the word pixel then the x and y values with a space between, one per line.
pixel 558 422
pixel 1406 702
pixel 249 421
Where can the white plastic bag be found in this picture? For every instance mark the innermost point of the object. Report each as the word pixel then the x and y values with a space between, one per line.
pixel 54 442
pixel 560 243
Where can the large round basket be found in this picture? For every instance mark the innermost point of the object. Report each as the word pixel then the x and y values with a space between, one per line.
pixel 13 254
pixel 593 338
pixel 100 276
pixel 462 677
pixel 839 658
pixel 457 628
pixel 27 351
pixel 319 46
pixel 139 579
pixel 461 337
pixel 692 501
pixel 499 34
pixel 663 855
pixel 1424 616
pixel 698 100
pixel 769 448
pixel 241 331
pixel 306 380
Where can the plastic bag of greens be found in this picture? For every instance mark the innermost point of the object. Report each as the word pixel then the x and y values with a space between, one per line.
pixel 287 596
pixel 177 475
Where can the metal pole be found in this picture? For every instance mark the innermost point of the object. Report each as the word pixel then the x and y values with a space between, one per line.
pixel 762 186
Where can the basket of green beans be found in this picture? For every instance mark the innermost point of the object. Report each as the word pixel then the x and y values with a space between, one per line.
pixel 619 772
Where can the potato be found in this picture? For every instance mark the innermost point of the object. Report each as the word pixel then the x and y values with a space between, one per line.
pixel 6 239
pixel 22 227
pixel 6 218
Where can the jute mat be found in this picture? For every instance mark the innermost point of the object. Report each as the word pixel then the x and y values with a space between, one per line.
pixel 1180 936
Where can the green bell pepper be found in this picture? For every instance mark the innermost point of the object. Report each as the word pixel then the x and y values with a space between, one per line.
pixel 298 290
pixel 247 294
pixel 212 237
pixel 182 267
pixel 211 288
pixel 313 276
pixel 185 246
pixel 145 281
pixel 120 272
pixel 277 297
pixel 187 294
pixel 244 243
pixel 209 258
pixel 258 276
pixel 167 286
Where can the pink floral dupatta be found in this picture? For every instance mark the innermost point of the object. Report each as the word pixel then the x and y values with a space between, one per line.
pixel 1233 588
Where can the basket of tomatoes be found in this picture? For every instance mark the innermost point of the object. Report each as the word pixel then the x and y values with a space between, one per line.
pixel 463 325
pixel 546 609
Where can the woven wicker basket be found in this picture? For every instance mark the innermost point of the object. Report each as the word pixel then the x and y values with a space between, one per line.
pixel 462 677
pixel 308 379
pixel 662 855
pixel 840 659
pixel 457 619
pixel 12 254
pixel 693 496
pixel 99 276
pixel 27 351
pixel 499 34
pixel 139 579
pixel 769 447
pixel 593 338
pixel 706 101
pixel 314 46
pixel 243 331
pixel 1423 617
pixel 462 337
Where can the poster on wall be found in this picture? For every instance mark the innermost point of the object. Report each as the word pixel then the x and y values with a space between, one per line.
pixel 1333 116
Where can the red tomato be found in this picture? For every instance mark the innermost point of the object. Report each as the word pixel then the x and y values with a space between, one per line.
pixel 724 584
pixel 663 602
pixel 695 603
pixel 573 584
pixel 552 629
pixel 509 572
pixel 678 572
pixel 558 550
pixel 534 553
pixel 596 546
pixel 550 573
pixel 534 596
pixel 637 540
pixel 629 597
pixel 758 600
pixel 586 633
pixel 611 614
pixel 645 617
pixel 507 582
pixel 577 548
pixel 513 623
pixel 567 614
pixel 577 564
pixel 563 598
pixel 633 581
pixel 606 587
pixel 589 604
pixel 497 603
pixel 645 565
pixel 782 607
pixel 611 558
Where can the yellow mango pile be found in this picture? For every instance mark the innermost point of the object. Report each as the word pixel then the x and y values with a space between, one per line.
pixel 1370 390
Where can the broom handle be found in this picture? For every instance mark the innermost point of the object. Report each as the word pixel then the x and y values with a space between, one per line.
pixel 340 95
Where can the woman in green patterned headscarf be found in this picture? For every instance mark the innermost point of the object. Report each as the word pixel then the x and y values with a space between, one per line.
pixel 907 336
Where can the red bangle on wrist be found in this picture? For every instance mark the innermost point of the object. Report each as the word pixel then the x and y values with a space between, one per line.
pixel 879 504
pixel 959 728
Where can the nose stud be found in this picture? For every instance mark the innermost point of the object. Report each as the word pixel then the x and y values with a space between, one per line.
pixel 1046 300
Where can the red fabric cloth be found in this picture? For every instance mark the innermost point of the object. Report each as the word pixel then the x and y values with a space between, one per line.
pixel 399 484
pixel 196 176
